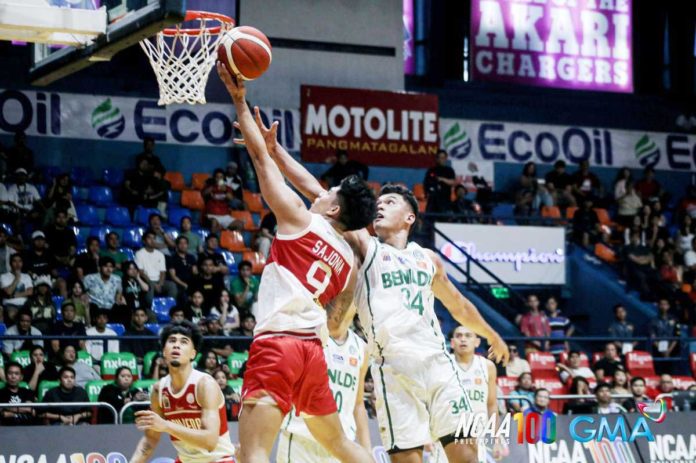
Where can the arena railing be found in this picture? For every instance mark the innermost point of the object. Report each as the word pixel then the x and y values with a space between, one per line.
pixel 66 404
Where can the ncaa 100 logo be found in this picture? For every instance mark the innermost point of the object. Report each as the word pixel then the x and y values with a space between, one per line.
pixel 532 427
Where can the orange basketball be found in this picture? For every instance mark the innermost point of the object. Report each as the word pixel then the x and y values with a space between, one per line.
pixel 245 51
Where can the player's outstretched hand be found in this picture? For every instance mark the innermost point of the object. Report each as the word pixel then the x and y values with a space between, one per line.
pixel 270 136
pixel 147 420
pixel 235 85
pixel 498 351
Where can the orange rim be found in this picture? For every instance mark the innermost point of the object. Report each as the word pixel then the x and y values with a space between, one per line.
pixel 202 15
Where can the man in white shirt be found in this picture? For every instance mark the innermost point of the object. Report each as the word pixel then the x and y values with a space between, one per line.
pixel 517 365
pixel 22 328
pixel 573 368
pixel 690 256
pixel 95 347
pixel 24 196
pixel 153 268
pixel 16 287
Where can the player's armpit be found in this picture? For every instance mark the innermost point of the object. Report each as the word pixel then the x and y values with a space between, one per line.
pixel 359 240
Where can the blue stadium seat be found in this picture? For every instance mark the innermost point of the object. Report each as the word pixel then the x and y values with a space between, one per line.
pixel 77 195
pixel 3 328
pixel 81 176
pixel 130 255
pixel 87 215
pixel 50 172
pixel 133 237
pixel 119 216
pixel 112 177
pixel 504 212
pixel 58 301
pixel 230 261
pixel 174 197
pixel 154 327
pixel 117 327
pixel 100 196
pixel 7 227
pixel 161 306
pixel 81 235
pixel 175 214
pixel 171 231
pixel 41 189
pixel 142 214
pixel 203 233
pixel 101 232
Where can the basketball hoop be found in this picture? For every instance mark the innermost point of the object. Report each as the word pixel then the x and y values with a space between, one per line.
pixel 183 57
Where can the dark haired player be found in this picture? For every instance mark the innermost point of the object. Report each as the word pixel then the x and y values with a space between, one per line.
pixel 419 389
pixel 310 265
pixel 186 404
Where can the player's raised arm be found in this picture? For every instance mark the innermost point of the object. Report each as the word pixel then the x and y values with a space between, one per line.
pixel 340 311
pixel 287 206
pixel 465 312
pixel 149 441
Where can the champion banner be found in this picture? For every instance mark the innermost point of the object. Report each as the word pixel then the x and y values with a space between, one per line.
pixel 375 127
pixel 473 140
pixel 578 44
pixel 110 118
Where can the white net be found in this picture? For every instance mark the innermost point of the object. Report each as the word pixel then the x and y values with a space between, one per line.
pixel 182 59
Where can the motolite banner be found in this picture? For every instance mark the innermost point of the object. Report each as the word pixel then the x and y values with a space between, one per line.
pixel 497 141
pixel 536 255
pixel 112 118
pixel 376 127
pixel 578 44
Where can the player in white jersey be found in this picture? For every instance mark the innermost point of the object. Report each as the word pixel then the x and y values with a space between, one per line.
pixel 186 404
pixel 420 394
pixel 347 360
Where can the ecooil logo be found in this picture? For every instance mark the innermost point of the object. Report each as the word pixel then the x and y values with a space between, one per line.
pixel 107 120
pixel 457 142
pixel 646 151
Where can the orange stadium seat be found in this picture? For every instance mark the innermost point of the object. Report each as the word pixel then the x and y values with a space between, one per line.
pixel 176 180
pixel 192 199
pixel 603 216
pixel 422 204
pixel 543 365
pixel 419 191
pixel 640 363
pixel 258 262
pixel 605 253
pixel 245 216
pixel 570 212
pixel 253 201
pixel 232 241
pixel 584 361
pixel 376 187
pixel 198 180
pixel 551 212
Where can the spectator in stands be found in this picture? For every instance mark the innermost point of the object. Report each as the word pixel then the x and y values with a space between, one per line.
pixel 137 328
pixel 25 197
pixel 113 250
pixel 95 347
pixel 573 369
pixel 690 258
pixel 23 327
pixel 67 327
pixel 661 327
pixel 517 365
pixel 209 362
pixel 605 405
pixel 217 196
pixel 621 328
pixel 560 327
pixel 585 183
pixel 61 187
pixel 648 187
pixel 195 311
pixel 220 347
pixel 542 400
pixel 579 386
pixel 687 205
pixel 562 183
pixel 153 269
pixel 163 240
pixel 530 194
pixel 87 263
pixel 157 191
pixel 220 269
pixel 228 313
pixel 666 386
pixel 83 372
pixel 67 392
pixel 19 155
pixel 6 252
pixel 148 155
pixel 39 261
pixel 159 368
pixel 79 298
pixel 345 167
pixel 61 240
pixel 194 240
pixel 17 287
pixel 209 285
pixel 234 181
pixel 533 324
pixel 177 314
pixel 630 205
pixel 586 226
pixel 182 268
pixel 623 179
pixel 524 388
pixel 118 394
pixel 231 397
pixel 462 207
pixel 245 288
pixel 438 183
pixel 40 369
pixel 639 267
pixel 12 393
pixel 619 383
pixel 638 388
pixel 135 290
pixel 136 183
pixel 60 199
pixel 104 288
pixel 267 232
pixel 609 364
pixel 671 275
pixel 41 305
pixel 247 329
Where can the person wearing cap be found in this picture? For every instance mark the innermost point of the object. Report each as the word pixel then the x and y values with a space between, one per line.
pixel 234 181
pixel 41 304
pixel 16 287
pixel 24 196
pixel 39 261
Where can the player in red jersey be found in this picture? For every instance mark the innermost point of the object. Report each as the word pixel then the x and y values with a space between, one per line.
pixel 310 267
pixel 186 404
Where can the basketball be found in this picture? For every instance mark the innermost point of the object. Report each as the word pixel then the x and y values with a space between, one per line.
pixel 245 51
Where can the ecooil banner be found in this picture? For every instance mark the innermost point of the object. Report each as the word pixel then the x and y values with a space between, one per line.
pixel 110 118
pixel 474 140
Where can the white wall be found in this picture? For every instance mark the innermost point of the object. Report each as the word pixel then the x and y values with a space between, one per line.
pixel 355 22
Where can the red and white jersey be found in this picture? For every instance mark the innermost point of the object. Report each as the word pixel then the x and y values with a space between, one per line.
pixel 304 272
pixel 184 409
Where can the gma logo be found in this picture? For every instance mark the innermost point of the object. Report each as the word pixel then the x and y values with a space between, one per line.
pixel 586 429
